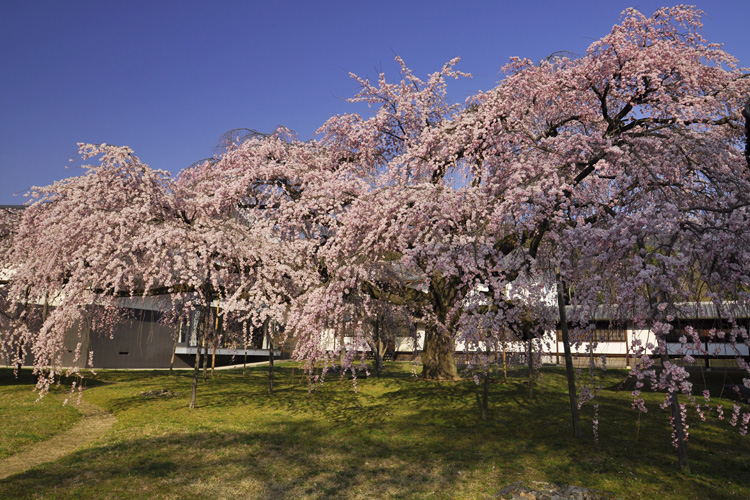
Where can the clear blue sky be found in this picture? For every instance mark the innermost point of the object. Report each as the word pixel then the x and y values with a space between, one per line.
pixel 167 78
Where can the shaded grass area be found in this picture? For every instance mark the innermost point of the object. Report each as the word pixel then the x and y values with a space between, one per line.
pixel 24 419
pixel 397 437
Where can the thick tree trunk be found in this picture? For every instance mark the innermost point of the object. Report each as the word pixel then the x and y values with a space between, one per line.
pixel 437 358
pixel 679 428
pixel 569 372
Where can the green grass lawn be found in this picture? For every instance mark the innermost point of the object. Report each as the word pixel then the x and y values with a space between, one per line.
pixel 24 419
pixel 397 437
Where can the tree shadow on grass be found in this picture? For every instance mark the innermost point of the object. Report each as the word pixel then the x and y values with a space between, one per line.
pixel 299 460
pixel 308 458
pixel 400 438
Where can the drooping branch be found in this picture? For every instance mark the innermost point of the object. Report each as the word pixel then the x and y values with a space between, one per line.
pixel 396 295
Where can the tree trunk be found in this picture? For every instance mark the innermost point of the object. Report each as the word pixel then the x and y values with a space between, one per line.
pixel 437 358
pixel 378 349
pixel 679 428
pixel 530 363
pixel 205 359
pixel 486 388
pixel 215 339
pixel 270 355
pixel 569 372
pixel 206 339
pixel 244 346
pixel 85 344
pixel 213 355
pixel 627 349
pixel 174 349
pixel 486 394
pixel 244 360
pixel 379 357
pixel 19 363
pixel 197 367
pixel 505 360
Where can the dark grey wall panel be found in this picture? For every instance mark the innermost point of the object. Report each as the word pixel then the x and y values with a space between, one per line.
pixel 136 344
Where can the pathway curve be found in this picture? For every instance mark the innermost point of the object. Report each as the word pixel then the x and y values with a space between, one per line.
pixel 95 422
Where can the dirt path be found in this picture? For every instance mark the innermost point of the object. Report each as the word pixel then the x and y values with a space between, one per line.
pixel 95 422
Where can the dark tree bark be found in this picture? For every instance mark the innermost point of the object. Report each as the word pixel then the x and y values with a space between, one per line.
pixel 197 367
pixel 486 386
pixel 174 348
pixel 569 372
pixel 244 361
pixel 505 360
pixel 215 338
pixel 378 348
pixel 208 336
pixel 205 357
pixel 270 336
pixel 530 363
pixel 19 364
pixel 438 362
pixel 213 354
